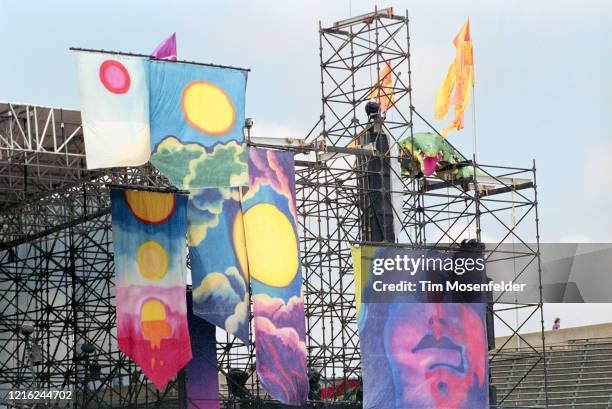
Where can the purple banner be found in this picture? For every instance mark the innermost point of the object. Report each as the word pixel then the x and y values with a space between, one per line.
pixel 202 372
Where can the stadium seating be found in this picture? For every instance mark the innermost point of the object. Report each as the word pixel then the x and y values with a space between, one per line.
pixel 579 376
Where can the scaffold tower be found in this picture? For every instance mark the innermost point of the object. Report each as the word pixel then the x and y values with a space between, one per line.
pixel 56 254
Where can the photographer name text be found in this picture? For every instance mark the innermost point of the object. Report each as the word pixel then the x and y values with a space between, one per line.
pixel 429 286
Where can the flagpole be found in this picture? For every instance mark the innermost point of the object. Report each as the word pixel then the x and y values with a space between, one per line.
pixel 474 121
pixel 143 188
pixel 474 147
pixel 229 67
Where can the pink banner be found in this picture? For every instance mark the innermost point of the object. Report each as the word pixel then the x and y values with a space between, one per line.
pixel 149 244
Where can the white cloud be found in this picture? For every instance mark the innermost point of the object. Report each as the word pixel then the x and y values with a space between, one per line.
pixel 199 226
pixel 597 160
pixel 575 238
pixel 217 285
pixel 233 322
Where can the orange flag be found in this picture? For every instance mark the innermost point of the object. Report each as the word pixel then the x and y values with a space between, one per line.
pixel 383 92
pixel 460 77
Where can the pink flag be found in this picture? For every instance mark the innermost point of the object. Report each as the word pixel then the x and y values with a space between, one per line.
pixel 166 48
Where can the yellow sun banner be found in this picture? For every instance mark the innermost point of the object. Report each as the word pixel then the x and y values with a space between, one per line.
pixel 197 120
pixel 273 257
pixel 149 231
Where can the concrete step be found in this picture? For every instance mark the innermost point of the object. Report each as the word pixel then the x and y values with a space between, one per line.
pixel 579 377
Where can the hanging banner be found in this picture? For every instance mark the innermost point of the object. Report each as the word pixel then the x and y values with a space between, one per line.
pixel 150 261
pixel 270 225
pixel 219 270
pixel 197 120
pixel 413 354
pixel 114 109
pixel 202 370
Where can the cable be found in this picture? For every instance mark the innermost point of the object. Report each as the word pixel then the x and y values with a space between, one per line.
pixel 516 310
pixel 474 120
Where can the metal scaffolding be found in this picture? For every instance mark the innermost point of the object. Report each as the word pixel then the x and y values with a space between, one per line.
pixel 56 258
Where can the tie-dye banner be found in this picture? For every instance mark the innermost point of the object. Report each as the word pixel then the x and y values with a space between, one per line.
pixel 419 355
pixel 219 270
pixel 197 120
pixel 114 109
pixel 149 231
pixel 270 225
pixel 202 371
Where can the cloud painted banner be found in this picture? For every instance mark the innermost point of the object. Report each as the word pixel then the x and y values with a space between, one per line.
pixel 270 225
pixel 202 371
pixel 114 109
pixel 149 244
pixel 219 270
pixel 419 355
pixel 197 120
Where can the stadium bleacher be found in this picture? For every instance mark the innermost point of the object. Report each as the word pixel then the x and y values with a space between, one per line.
pixel 579 375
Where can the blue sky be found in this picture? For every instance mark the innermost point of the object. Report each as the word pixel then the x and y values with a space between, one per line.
pixel 543 75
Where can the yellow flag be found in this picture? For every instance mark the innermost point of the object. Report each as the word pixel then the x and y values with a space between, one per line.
pixel 460 78
pixel 383 92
